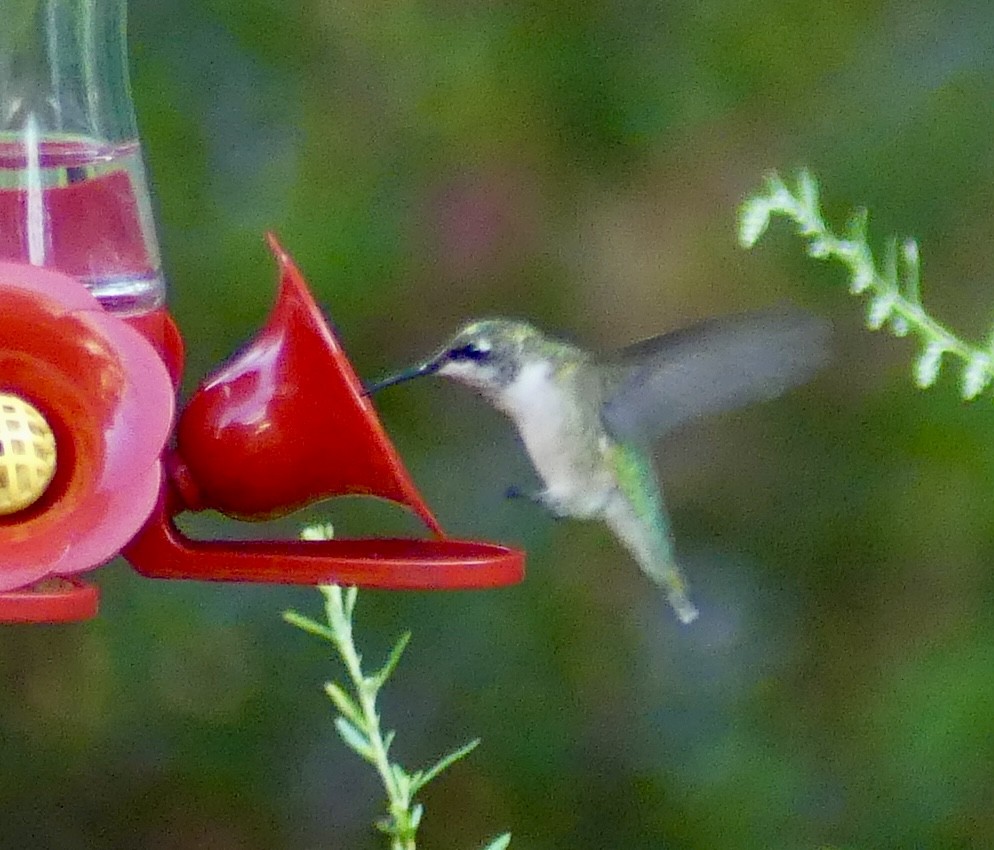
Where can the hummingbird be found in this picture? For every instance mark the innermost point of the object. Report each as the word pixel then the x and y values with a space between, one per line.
pixel 588 422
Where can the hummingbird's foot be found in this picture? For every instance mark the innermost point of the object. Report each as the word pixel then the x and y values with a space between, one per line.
pixel 515 492
pixel 553 504
pixel 542 499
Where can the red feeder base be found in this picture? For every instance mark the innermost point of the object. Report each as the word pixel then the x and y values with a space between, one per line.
pixel 55 600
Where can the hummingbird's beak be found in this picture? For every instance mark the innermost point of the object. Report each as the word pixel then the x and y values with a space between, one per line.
pixel 422 369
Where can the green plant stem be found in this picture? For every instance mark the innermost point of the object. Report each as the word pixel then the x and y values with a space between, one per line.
pixel 366 691
pixel 358 721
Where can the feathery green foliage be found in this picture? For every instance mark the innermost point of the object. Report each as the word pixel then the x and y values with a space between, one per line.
pixel 894 289
pixel 358 721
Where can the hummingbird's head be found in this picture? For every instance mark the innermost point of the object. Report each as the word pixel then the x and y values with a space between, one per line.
pixel 486 355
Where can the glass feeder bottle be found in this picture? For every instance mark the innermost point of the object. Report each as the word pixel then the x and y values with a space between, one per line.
pixel 73 191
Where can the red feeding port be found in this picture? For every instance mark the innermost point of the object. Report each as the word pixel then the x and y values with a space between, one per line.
pixel 282 424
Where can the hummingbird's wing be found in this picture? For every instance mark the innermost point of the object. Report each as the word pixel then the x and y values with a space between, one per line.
pixel 661 383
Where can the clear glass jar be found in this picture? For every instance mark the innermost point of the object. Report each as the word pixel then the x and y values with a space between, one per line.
pixel 73 191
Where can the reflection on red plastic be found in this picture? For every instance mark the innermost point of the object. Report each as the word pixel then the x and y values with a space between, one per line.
pixel 285 423
pixel 159 328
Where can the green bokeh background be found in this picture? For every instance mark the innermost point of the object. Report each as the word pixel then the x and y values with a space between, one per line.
pixel 578 164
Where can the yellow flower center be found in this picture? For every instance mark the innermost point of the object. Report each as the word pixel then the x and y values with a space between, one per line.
pixel 27 454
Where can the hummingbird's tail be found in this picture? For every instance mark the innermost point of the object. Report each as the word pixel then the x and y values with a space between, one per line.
pixel 644 529
pixel 636 514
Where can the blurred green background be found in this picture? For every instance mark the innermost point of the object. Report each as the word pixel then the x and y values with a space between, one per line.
pixel 580 165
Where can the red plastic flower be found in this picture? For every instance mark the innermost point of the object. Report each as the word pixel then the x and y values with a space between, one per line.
pixel 109 401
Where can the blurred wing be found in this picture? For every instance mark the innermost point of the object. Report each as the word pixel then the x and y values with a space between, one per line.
pixel 661 383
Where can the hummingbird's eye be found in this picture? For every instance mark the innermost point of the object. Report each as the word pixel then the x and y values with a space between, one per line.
pixel 470 351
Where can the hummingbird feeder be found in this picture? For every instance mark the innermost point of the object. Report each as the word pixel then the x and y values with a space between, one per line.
pixel 95 458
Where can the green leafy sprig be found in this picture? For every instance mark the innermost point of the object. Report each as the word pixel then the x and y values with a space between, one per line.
pixel 894 289
pixel 358 721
